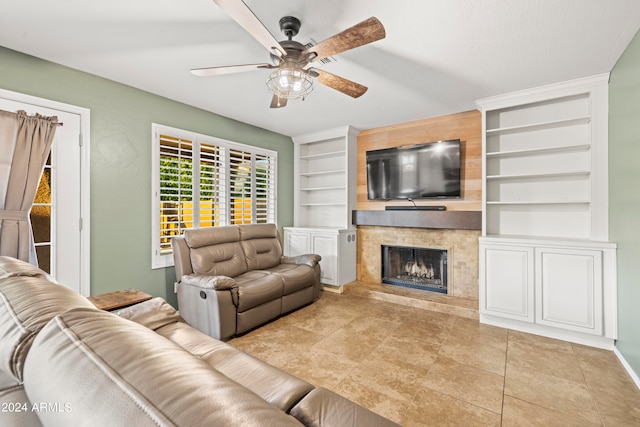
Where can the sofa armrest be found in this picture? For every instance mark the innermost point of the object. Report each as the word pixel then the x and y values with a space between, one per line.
pixel 154 313
pixel 307 259
pixel 218 283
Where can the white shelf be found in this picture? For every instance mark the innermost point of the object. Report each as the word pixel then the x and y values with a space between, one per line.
pixel 536 151
pixel 545 264
pixel 539 202
pixel 325 178
pixel 539 175
pixel 323 155
pixel 342 187
pixel 541 125
pixel 322 204
pixel 545 161
pixel 329 172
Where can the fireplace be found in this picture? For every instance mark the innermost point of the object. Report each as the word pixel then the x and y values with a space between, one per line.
pixel 419 268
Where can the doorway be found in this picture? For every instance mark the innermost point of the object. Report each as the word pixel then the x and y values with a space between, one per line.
pixel 60 216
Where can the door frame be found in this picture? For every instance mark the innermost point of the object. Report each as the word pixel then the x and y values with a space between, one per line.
pixel 84 114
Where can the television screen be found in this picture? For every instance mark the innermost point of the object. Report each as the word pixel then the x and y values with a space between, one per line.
pixel 428 170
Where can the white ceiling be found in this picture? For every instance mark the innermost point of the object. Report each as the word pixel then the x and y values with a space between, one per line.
pixel 438 56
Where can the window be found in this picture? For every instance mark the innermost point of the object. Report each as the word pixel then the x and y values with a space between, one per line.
pixel 202 181
pixel 40 216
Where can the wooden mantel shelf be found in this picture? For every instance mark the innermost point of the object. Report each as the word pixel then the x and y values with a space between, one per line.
pixel 459 220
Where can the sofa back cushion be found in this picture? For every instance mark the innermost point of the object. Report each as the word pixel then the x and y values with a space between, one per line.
pixel 28 300
pixel 216 251
pixel 261 245
pixel 110 371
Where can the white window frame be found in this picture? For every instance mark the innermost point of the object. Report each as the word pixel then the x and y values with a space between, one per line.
pixel 160 259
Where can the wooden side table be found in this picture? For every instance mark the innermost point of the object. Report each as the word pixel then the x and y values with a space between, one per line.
pixel 118 299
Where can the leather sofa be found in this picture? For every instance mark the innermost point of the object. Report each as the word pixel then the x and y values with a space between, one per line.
pixel 231 279
pixel 63 362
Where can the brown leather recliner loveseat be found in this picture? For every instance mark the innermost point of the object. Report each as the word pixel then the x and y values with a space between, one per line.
pixel 231 279
pixel 63 362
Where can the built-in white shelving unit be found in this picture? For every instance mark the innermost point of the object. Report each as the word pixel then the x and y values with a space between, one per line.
pixel 546 263
pixel 324 196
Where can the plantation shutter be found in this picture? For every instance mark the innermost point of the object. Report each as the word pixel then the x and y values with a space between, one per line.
pixel 202 181
pixel 212 206
pixel 240 186
pixel 252 187
pixel 176 189
pixel 265 189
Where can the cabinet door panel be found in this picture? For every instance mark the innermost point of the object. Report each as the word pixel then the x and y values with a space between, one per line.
pixel 296 243
pixel 507 275
pixel 326 247
pixel 569 289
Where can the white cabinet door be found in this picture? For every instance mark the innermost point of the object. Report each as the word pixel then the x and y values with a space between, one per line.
pixel 569 289
pixel 297 243
pixel 506 275
pixel 326 246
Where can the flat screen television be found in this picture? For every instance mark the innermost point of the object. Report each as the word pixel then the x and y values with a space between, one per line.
pixel 427 170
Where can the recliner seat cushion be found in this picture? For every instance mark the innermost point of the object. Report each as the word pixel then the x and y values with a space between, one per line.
pixel 294 277
pixel 256 288
pixel 271 384
pixel 111 371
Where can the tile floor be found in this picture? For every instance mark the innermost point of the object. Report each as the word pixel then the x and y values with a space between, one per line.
pixel 423 368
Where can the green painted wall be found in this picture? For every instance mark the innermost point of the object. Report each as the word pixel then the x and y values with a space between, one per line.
pixel 121 118
pixel 624 196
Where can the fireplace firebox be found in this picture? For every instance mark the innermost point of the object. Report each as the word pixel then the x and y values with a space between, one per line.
pixel 418 268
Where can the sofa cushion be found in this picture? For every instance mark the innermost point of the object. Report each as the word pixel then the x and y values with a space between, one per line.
pixel 154 313
pixel 16 410
pixel 261 245
pixel 7 381
pixel 295 277
pixel 208 236
pixel 12 267
pixel 223 259
pixel 28 300
pixel 111 371
pixel 271 384
pixel 257 287
pixel 262 253
pixel 209 282
pixel 308 259
pixel 322 407
pixel 216 251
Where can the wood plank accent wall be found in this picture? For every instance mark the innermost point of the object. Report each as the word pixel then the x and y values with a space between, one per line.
pixel 466 126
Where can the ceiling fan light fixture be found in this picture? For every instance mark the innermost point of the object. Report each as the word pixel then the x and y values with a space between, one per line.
pixel 290 83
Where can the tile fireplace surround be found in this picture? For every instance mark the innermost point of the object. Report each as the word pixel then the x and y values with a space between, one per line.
pixel 462 247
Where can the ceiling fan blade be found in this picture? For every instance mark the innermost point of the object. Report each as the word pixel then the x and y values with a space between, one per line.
pixel 217 71
pixel 240 13
pixel 277 102
pixel 360 34
pixel 340 84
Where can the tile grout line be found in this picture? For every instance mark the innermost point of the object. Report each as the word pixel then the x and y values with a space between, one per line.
pixel 586 383
pixel 504 382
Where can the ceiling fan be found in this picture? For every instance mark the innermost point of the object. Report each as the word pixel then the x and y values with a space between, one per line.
pixel 293 74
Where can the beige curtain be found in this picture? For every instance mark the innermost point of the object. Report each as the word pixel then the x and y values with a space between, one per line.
pixel 25 142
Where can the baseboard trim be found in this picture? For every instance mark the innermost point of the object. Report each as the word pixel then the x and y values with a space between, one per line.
pixel 628 367
pixel 333 289
pixel 550 332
